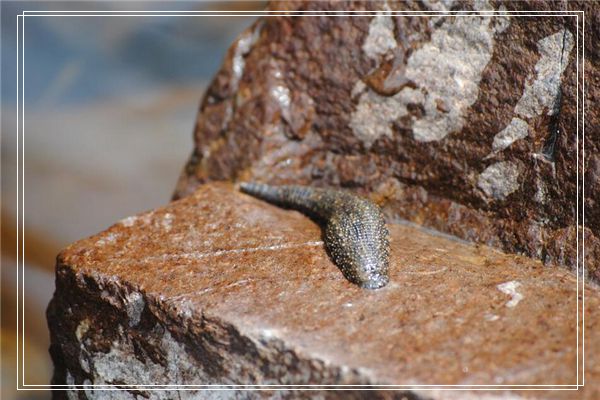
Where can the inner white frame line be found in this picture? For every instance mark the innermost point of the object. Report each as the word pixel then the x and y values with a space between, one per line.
pixel 489 13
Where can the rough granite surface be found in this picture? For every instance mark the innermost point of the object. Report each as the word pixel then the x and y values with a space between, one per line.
pixel 221 288
pixel 463 123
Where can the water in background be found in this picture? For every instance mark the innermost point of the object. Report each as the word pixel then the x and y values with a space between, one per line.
pixel 72 59
pixel 110 104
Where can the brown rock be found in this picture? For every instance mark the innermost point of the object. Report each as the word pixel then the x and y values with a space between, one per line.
pixel 221 288
pixel 466 124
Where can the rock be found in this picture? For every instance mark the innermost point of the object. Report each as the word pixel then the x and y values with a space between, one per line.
pixel 465 124
pixel 221 288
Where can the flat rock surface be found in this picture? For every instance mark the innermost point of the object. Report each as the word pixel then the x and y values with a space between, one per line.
pixel 222 288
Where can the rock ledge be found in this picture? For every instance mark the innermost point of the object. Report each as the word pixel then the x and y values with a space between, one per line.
pixel 220 288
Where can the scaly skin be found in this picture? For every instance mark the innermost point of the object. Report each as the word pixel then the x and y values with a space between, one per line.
pixel 355 232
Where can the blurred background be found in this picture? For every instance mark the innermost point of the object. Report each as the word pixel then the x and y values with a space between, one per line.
pixel 110 104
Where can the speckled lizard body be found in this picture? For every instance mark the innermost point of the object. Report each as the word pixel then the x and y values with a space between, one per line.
pixel 356 236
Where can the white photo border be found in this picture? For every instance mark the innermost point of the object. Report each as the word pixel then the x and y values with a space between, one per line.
pixel 21 385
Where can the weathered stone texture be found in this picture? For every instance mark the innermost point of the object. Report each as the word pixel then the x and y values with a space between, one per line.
pixel 466 124
pixel 221 288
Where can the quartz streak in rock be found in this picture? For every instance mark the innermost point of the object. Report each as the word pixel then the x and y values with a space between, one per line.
pixel 517 129
pixel 448 70
pixel 542 94
pixel 381 37
pixel 499 180
pixel 445 71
